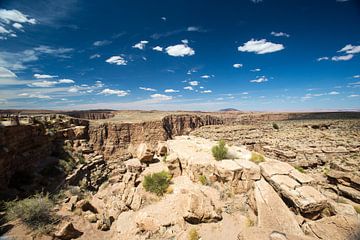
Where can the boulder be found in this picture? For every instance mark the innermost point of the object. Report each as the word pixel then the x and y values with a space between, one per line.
pixel 144 153
pixel 350 193
pixel 134 165
pixel 174 165
pixel 161 149
pixel 200 209
pixel 68 232
pixel 85 205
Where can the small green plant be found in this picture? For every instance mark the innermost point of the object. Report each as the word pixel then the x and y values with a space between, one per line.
pixel 300 169
pixel 193 234
pixel 203 180
pixel 157 182
pixel 219 151
pixel 357 209
pixel 275 126
pixel 257 157
pixel 35 211
pixel 67 166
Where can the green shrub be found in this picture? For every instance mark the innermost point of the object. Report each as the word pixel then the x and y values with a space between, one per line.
pixel 257 158
pixel 300 169
pixel 275 126
pixel 157 182
pixel 34 211
pixel 203 180
pixel 193 234
pixel 67 166
pixel 219 151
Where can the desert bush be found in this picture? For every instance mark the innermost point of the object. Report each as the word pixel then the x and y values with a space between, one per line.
pixel 219 151
pixel 35 211
pixel 300 169
pixel 203 180
pixel 257 158
pixel 157 182
pixel 68 165
pixel 193 234
pixel 275 126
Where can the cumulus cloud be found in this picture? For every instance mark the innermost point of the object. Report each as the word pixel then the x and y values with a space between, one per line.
pixel 158 48
pixel 180 50
pixel 3 30
pixel 65 80
pixel 161 97
pixel 260 79
pixel 141 45
pixel 119 93
pixel 280 34
pixel 47 84
pixel 147 89
pixel 34 95
pixel 6 73
pixel 350 49
pixel 205 76
pixel 171 90
pixel 322 59
pixel 356 76
pixel 353 95
pixel 255 70
pixel 44 76
pixel 163 18
pixel 194 83
pixel 333 93
pixel 118 60
pixel 260 46
pixel 8 16
pixel 102 43
pixel 342 58
pixel 237 65
pixel 17 25
pixel 189 88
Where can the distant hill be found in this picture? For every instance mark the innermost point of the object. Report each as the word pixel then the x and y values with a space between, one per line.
pixel 229 110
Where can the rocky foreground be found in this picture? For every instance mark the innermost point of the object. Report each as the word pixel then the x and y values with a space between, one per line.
pixel 305 187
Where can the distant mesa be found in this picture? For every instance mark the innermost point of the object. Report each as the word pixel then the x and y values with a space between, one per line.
pixel 229 110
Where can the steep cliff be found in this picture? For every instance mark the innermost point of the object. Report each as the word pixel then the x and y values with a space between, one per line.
pixel 114 139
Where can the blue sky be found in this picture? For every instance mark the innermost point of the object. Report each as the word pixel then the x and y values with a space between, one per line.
pixel 273 55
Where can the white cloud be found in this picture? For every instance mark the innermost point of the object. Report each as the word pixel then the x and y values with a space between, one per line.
pixel 350 49
pixel 59 52
pixel 260 46
pixel 356 76
pixel 40 96
pixel 102 43
pixel 260 79
pixel 158 48
pixel 280 34
pixel 322 59
pixel 256 70
pixel 44 84
pixel 3 30
pixel 205 76
pixel 354 95
pixel 206 91
pixel 147 89
pixel 6 73
pixel 245 93
pixel 163 18
pixel 333 93
pixel 118 60
pixel 171 90
pixel 119 93
pixel 95 56
pixel 8 16
pixel 237 65
pixel 342 58
pixel 193 29
pixel 180 50
pixel 189 88
pixel 17 25
pixel 141 45
pixel 66 81
pixel 256 1
pixel 194 83
pixel 44 76
pixel 161 97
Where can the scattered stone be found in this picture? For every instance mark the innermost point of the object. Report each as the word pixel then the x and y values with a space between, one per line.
pixel 144 153
pixel 161 149
pixel 68 232
pixel 85 205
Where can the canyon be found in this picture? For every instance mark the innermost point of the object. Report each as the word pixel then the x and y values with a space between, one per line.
pixel 306 186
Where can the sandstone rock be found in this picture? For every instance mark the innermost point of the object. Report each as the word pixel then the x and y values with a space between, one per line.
pixel 146 223
pixel 134 165
pixel 335 228
pixel 200 209
pixel 85 205
pixel 174 165
pixel 144 153
pixel 68 232
pixel 104 223
pixel 71 204
pixel 350 193
pixel 272 211
pixel 161 149
pixel 251 171
pixel 91 217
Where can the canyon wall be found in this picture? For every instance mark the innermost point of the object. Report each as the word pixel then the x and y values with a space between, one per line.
pixel 114 139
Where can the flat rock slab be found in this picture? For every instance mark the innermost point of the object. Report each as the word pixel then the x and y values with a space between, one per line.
pixel 294 186
pixel 337 227
pixel 273 212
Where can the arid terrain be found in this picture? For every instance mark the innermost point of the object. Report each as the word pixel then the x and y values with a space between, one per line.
pixel 179 175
